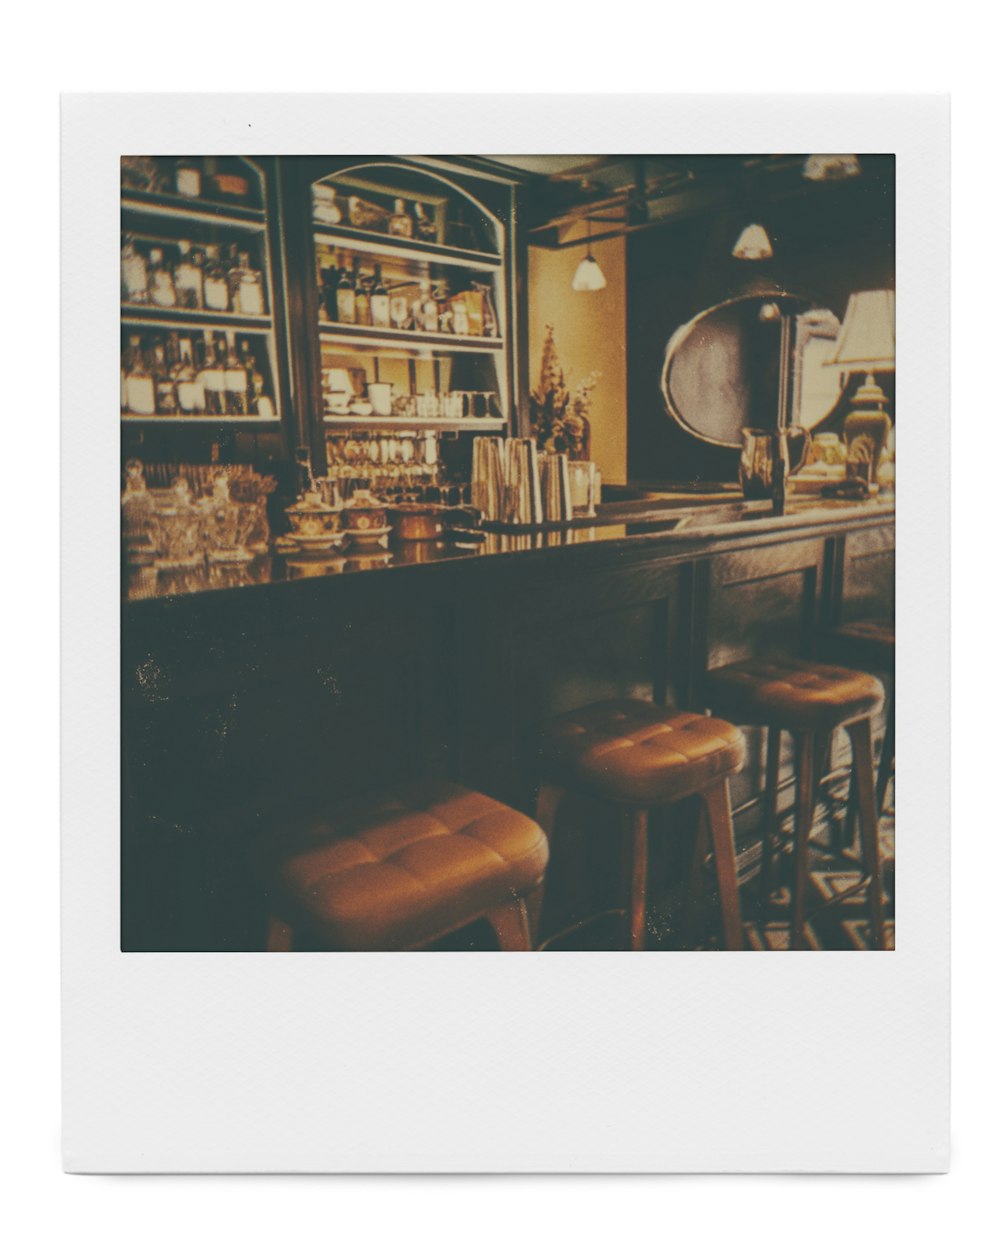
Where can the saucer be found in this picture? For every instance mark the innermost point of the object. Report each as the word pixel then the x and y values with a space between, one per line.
pixel 370 537
pixel 294 543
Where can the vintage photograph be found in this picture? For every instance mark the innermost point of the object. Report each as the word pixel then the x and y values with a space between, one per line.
pixel 508 553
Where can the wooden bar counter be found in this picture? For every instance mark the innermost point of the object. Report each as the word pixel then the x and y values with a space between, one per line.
pixel 250 694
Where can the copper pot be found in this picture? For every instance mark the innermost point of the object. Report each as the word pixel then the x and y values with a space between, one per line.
pixel 423 522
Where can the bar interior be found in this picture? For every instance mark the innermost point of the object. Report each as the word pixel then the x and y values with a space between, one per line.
pixel 508 553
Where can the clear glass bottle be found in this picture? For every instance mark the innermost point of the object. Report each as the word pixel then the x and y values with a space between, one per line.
pixel 459 314
pixel 379 301
pixel 188 276
pixel 445 315
pixel 161 283
pixel 399 310
pixel 135 275
pixel 428 306
pixel 166 392
pixel 190 391
pixel 258 401
pixel 425 227
pixel 187 177
pixel 212 378
pixel 139 389
pixel 401 223
pixel 345 299
pixel 362 299
pixel 236 379
pixel 246 287
pixel 215 287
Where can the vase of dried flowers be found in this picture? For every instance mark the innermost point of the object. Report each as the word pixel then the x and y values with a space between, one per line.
pixel 560 420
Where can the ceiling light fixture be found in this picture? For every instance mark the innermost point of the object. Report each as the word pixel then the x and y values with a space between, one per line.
pixel 826 168
pixel 589 276
pixel 753 244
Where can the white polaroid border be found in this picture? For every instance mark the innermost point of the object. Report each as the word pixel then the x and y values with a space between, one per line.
pixel 471 1063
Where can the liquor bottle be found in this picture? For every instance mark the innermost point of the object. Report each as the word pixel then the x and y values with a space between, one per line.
pixel 425 227
pixel 345 299
pixel 362 299
pixel 216 289
pixel 428 310
pixel 491 327
pixel 188 277
pixel 399 310
pixel 401 223
pixel 379 302
pixel 445 315
pixel 190 391
pixel 135 276
pixel 212 377
pixel 459 314
pixel 161 284
pixel 139 390
pixel 236 379
pixel 187 177
pixel 246 287
pixel 166 392
pixel 258 403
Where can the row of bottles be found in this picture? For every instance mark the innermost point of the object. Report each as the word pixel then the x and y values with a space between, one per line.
pixel 352 298
pixel 182 376
pixel 404 222
pixel 184 276
pixel 192 177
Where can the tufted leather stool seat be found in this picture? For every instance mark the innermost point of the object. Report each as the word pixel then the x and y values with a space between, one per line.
pixel 636 754
pixel 809 699
pixel 395 870
pixel 798 694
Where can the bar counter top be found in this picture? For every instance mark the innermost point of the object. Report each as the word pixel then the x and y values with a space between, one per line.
pixel 659 525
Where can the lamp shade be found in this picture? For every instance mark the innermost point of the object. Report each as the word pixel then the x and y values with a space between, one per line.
pixel 753 244
pixel 867 338
pixel 589 275
pixel 826 168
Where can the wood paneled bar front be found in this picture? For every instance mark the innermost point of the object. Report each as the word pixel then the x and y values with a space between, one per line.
pixel 245 704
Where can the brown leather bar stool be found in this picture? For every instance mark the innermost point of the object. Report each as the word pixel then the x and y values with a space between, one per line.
pixel 810 700
pixel 871 644
pixel 397 870
pixel 639 756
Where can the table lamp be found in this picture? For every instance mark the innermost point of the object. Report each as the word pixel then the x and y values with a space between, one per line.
pixel 866 344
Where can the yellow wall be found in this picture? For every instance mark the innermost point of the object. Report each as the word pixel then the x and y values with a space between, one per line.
pixel 589 334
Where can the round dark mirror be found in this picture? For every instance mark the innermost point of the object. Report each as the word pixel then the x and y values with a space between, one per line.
pixel 722 369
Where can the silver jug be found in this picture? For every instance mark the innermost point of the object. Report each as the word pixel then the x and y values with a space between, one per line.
pixel 762 452
pixel 557 503
pixel 523 495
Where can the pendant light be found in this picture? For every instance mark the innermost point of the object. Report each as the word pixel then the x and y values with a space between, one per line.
pixel 589 276
pixel 753 244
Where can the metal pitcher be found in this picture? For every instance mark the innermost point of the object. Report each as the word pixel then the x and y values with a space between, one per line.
pixel 763 452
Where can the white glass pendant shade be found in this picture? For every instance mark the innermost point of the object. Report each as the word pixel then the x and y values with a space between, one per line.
pixel 753 244
pixel 827 168
pixel 589 276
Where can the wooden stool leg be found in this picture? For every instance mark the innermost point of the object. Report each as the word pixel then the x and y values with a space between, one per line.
pixel 805 802
pixel 720 827
pixel 512 925
pixel 279 934
pixel 696 882
pixel 864 769
pixel 888 753
pixel 637 836
pixel 770 818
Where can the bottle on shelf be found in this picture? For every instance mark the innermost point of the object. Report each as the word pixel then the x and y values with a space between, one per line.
pixel 187 177
pixel 161 283
pixel 426 315
pixel 258 401
pixel 166 392
pixel 246 286
pixel 190 391
pixel 346 310
pixel 215 287
pixel 379 301
pixel 135 274
pixel 140 393
pixel 212 378
pixel 362 299
pixel 399 309
pixel 426 230
pixel 459 314
pixel 236 379
pixel 445 314
pixel 401 223
pixel 491 326
pixel 188 276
